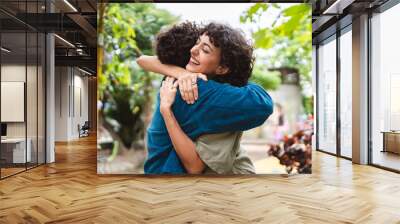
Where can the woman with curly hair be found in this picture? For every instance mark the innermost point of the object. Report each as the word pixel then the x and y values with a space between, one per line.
pixel 200 130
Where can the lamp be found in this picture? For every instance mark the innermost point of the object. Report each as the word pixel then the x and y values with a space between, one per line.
pixel 84 71
pixel 70 5
pixel 5 50
pixel 64 40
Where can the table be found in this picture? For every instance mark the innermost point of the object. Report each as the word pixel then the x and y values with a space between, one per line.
pixel 391 141
pixel 16 148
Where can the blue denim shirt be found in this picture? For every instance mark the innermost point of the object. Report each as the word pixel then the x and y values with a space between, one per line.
pixel 219 108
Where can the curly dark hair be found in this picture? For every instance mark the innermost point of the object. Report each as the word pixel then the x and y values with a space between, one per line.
pixel 173 45
pixel 236 53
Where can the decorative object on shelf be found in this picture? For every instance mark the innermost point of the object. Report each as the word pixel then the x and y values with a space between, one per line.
pixel 84 130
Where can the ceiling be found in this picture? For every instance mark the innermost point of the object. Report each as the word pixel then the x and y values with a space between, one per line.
pixel 326 14
pixel 74 22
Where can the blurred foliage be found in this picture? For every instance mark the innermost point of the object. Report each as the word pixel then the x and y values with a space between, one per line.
pixel 267 79
pixel 125 90
pixel 308 103
pixel 288 39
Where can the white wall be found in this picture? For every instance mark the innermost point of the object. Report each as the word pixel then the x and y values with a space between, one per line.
pixel 12 100
pixel 71 94
pixel 81 89
pixel 61 103
pixel 33 126
pixel 12 73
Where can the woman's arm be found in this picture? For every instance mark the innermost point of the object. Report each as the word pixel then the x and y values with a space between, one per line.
pixel 187 80
pixel 184 146
pixel 152 64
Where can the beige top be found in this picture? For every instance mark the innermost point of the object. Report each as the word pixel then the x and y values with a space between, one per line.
pixel 222 154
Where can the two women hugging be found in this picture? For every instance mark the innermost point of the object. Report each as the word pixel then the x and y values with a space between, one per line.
pixel 205 101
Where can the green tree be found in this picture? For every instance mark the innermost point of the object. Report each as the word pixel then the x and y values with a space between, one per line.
pixel 125 91
pixel 267 79
pixel 288 40
pixel 289 35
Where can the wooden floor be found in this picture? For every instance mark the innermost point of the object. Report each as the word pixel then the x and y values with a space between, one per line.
pixel 387 159
pixel 70 191
pixel 10 171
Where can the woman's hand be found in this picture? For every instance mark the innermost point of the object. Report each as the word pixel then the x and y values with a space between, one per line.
pixel 167 93
pixel 188 86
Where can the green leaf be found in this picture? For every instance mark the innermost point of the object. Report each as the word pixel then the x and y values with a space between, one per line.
pixel 263 38
pixel 288 44
pixel 252 11
pixel 300 9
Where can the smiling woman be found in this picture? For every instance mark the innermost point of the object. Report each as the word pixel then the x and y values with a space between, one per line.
pixel 205 58
pixel 224 53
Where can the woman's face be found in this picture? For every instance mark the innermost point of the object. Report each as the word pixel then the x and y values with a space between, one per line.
pixel 205 58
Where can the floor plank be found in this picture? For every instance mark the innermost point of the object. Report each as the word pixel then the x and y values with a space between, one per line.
pixel 70 191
